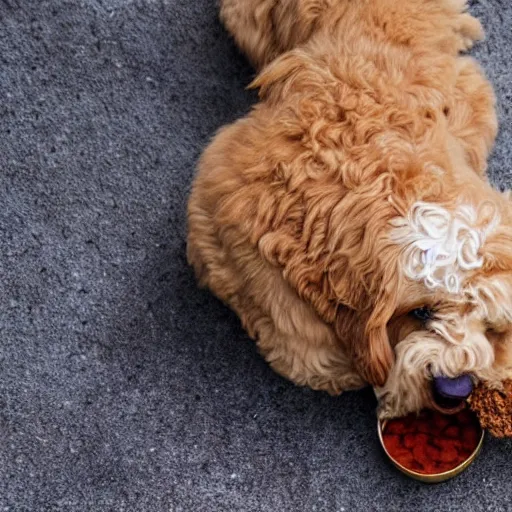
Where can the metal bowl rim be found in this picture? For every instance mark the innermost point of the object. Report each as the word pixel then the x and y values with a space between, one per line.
pixel 445 475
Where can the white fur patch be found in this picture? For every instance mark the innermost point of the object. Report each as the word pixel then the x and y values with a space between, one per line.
pixel 440 246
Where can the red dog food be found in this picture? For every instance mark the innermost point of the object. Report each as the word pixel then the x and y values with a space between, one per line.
pixel 432 443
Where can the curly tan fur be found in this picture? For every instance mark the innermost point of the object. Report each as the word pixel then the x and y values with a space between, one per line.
pixel 263 29
pixel 365 111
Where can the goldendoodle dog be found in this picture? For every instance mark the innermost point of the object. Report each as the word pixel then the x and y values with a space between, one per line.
pixel 347 219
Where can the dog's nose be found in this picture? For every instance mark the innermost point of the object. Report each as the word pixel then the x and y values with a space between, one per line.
pixel 458 387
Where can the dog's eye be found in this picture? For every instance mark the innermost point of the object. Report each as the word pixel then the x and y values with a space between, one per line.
pixel 496 331
pixel 423 314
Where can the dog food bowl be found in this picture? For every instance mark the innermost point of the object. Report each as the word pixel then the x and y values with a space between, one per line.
pixel 430 460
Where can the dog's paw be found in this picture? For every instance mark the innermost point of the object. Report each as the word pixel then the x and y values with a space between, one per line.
pixel 387 408
pixel 469 30
pixel 386 413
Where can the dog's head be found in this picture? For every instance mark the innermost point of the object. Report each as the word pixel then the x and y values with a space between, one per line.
pixel 450 310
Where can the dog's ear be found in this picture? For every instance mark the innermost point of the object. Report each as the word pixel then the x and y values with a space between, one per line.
pixel 375 363
pixel 372 352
